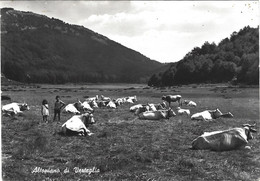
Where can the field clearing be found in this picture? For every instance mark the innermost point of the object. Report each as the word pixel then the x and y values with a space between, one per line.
pixel 124 147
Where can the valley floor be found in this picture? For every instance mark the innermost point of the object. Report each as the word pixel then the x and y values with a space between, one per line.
pixel 124 147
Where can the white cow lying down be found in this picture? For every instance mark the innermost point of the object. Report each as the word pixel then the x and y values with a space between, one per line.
pixel 236 138
pixel 70 108
pixel 144 108
pixel 210 114
pixel 78 124
pixel 111 104
pixel 135 107
pixel 131 99
pixel 190 103
pixel 156 115
pixel 147 107
pixel 14 108
pixel 183 111
pixel 89 99
pixel 103 98
pixel 86 106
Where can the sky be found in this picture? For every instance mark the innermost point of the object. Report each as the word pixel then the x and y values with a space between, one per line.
pixel 164 31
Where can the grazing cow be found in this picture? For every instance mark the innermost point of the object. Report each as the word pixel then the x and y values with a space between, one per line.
pixel 156 115
pixel 14 108
pixel 89 99
pixel 183 111
pixel 232 139
pixel 210 114
pixel 78 124
pixel 111 104
pixel 190 103
pixel 105 98
pixel 172 98
pixel 86 106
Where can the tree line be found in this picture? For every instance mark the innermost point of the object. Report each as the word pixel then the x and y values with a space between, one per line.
pixel 234 59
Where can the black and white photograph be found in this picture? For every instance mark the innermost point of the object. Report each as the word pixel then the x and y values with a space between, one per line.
pixel 130 90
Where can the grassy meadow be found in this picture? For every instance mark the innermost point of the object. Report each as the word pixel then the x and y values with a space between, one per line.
pixel 124 147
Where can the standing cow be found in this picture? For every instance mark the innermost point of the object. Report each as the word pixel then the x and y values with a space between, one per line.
pixel 172 98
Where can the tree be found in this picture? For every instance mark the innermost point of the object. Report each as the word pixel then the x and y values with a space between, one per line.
pixel 14 71
pixel 184 73
pixel 155 80
pixel 249 69
pixel 223 71
pixel 168 77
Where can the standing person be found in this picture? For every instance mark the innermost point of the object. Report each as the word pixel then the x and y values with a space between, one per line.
pixel 45 110
pixel 57 108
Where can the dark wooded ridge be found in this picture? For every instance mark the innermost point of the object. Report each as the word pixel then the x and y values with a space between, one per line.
pixel 234 59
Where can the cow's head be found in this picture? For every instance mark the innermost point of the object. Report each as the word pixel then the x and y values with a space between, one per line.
pixel 164 98
pixel 93 103
pixel 249 130
pixel 217 113
pixel 117 102
pixel 144 108
pixel 171 113
pixel 178 97
pixel 102 104
pixel 78 105
pixel 134 99
pixel 88 119
pixel 186 102
pixel 24 107
pixel 163 104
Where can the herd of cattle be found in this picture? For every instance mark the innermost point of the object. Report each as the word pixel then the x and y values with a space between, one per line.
pixel 236 138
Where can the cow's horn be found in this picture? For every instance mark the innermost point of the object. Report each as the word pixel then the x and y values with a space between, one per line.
pixel 244 125
pixel 253 130
pixel 250 126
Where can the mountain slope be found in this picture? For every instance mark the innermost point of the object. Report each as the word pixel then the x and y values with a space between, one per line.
pixel 234 59
pixel 39 49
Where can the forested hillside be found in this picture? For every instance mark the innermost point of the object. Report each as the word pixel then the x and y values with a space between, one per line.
pixel 234 59
pixel 39 49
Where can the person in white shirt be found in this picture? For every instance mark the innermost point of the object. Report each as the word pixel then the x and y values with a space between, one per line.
pixel 45 110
